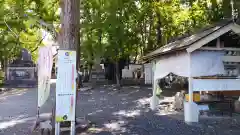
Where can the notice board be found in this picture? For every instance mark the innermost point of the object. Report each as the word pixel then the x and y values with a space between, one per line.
pixel 66 86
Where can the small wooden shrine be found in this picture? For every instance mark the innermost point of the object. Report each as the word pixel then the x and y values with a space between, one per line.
pixel 209 58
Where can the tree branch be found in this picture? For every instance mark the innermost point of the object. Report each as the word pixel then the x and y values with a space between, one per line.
pixel 38 44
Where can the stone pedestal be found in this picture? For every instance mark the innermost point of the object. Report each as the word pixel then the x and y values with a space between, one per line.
pixel 21 72
pixel 237 106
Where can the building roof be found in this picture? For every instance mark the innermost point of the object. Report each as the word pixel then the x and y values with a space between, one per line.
pixel 186 41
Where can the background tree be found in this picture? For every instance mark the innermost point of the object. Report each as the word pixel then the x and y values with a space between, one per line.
pixel 115 29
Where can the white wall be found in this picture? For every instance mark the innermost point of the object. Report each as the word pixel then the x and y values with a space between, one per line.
pixel 148 73
pixel 129 73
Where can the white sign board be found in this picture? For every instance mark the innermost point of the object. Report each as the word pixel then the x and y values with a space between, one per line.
pixel 45 63
pixel 66 86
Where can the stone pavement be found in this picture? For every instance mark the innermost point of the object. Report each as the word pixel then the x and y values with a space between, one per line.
pixel 112 111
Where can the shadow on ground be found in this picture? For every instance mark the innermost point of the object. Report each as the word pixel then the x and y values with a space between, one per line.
pixel 19 108
pixel 112 111
pixel 126 111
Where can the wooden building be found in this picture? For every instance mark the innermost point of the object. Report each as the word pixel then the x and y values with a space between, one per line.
pixel 209 58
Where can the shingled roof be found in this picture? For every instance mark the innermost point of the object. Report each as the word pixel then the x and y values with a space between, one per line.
pixel 186 41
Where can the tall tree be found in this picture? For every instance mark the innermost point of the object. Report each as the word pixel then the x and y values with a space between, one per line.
pixel 227 9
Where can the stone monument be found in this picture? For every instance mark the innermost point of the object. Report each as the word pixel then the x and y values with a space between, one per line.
pixel 22 71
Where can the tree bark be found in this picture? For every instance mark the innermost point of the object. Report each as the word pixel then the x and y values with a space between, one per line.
pixel 192 15
pixel 5 67
pixel 150 42
pixel 227 9
pixel 90 73
pixel 70 25
pixel 237 6
pixel 117 74
pixel 215 10
pixel 69 36
pixel 159 31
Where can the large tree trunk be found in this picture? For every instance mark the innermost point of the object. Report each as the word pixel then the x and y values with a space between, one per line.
pixel 150 41
pixel 192 15
pixel 215 9
pixel 90 73
pixel 159 31
pixel 142 47
pixel 117 74
pixel 5 64
pixel 227 9
pixel 70 25
pixel 69 35
pixel 237 7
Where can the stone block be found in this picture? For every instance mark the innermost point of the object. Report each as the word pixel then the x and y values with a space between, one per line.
pixel 237 106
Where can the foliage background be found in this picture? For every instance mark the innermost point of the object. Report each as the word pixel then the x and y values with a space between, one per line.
pixel 109 28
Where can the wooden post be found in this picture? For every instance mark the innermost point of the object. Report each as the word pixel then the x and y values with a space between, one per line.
pixel 218 44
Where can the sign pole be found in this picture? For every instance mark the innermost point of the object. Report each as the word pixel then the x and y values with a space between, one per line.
pixel 57 128
pixel 72 132
pixel 73 121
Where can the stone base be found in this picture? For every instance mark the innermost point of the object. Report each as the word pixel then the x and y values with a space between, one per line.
pixel 237 106
pixel 154 102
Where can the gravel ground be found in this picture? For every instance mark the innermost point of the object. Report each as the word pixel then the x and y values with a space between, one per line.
pixel 126 111
pixel 112 111
pixel 18 111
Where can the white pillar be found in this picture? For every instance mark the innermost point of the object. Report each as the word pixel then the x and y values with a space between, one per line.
pixel 72 131
pixel 148 73
pixel 190 90
pixel 57 128
pixel 191 112
pixel 154 99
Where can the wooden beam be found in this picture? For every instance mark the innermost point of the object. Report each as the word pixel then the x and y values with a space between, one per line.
pixel 219 49
pixel 236 28
pixel 231 58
